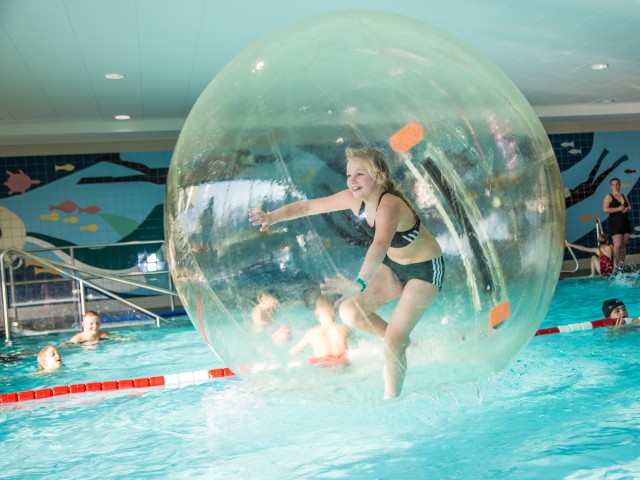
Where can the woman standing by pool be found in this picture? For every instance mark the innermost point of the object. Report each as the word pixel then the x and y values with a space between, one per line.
pixel 403 258
pixel 617 205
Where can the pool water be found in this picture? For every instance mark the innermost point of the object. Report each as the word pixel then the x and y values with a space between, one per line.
pixel 567 407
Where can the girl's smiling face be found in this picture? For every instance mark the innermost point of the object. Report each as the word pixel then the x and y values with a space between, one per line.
pixel 359 181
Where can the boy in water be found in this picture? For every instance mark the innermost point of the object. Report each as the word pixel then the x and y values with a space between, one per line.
pixel 328 340
pixel 49 359
pixel 614 308
pixel 91 332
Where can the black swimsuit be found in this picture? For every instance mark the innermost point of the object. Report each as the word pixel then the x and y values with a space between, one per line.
pixel 431 271
pixel 618 221
pixel 400 239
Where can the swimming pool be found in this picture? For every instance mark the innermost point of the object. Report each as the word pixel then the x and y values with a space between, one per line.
pixel 566 408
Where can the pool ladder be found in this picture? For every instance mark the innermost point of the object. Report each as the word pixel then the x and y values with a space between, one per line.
pixel 79 274
pixel 573 255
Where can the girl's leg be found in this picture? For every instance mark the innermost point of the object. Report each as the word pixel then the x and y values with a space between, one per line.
pixel 359 311
pixel 415 299
pixel 595 265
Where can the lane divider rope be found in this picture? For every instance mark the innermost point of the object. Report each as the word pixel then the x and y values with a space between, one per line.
pixel 172 381
pixel 574 327
pixel 192 378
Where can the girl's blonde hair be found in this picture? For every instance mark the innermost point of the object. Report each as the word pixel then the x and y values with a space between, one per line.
pixel 377 166
pixel 42 355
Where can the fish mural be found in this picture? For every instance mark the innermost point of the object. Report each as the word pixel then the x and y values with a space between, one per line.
pixel 117 213
pixel 69 206
pixel 586 178
pixel 585 189
pixel 19 182
pixel 147 174
pixel 39 268
pixel 52 217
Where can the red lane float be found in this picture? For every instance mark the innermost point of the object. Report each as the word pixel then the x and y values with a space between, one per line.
pixel 574 327
pixel 173 380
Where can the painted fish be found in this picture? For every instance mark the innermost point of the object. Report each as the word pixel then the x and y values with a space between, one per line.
pixel 91 209
pixel 628 171
pixel 92 227
pixel 40 270
pixel 589 218
pixel 67 167
pixel 53 216
pixel 68 206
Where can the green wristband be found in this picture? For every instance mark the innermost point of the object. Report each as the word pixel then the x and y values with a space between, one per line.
pixel 363 283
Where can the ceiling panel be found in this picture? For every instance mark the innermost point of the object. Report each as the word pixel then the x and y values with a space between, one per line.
pixel 54 54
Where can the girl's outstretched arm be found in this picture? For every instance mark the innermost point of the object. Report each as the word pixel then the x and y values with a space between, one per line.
pixel 302 208
pixel 581 248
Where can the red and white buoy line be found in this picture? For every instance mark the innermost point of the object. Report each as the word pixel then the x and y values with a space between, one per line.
pixel 574 327
pixel 176 380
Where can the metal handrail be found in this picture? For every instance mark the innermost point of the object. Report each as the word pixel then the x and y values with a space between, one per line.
pixel 95 245
pixel 58 265
pixel 599 230
pixel 598 233
pixel 575 260
pixel 63 269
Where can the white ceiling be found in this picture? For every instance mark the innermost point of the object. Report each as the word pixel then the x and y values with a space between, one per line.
pixel 54 55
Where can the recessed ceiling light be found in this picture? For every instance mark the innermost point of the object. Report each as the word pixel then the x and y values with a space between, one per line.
pixel 122 117
pixel 114 76
pixel 600 66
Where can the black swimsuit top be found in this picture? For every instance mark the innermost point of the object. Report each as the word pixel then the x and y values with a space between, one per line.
pixel 617 203
pixel 400 239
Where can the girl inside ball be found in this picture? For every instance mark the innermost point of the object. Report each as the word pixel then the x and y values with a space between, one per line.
pixel 403 259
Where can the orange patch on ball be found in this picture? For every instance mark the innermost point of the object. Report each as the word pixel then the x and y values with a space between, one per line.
pixel 499 314
pixel 407 137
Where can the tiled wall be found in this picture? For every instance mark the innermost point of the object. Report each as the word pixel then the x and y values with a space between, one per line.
pixel 588 162
pixel 98 199
pixel 55 201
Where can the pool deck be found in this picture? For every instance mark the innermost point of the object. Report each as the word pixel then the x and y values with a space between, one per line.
pixel 584 267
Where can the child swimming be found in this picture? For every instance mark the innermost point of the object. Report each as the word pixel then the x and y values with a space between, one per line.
pixel 49 359
pixel 328 340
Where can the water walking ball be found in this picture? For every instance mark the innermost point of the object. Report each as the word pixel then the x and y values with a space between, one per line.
pixel 462 143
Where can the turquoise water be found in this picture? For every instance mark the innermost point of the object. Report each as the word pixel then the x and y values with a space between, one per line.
pixel 566 408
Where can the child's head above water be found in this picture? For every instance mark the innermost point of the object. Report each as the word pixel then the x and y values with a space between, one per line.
pixel 614 308
pixel 91 321
pixel 268 300
pixel 325 310
pixel 49 359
